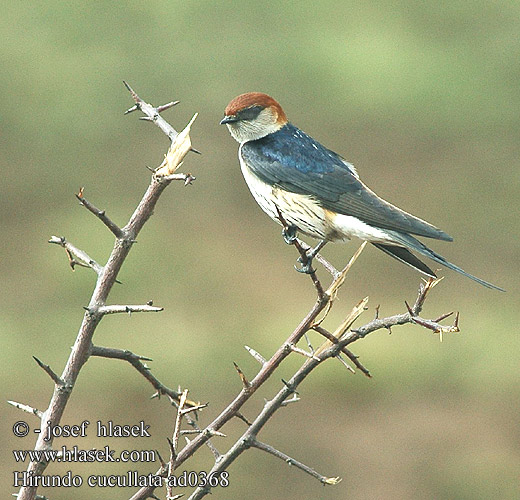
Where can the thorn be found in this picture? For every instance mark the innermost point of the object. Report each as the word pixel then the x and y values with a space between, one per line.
pixel 245 382
pixel 161 461
pixel 256 355
pixel 244 419
pixel 135 97
pixel 409 309
pixel 289 386
pixel 48 370
pixel 27 409
pixel 172 449
pixel 80 193
pixel 164 107
pixel 193 150
pixel 286 402
pixel 309 355
pixel 377 311
pixel 443 316
pixel 345 364
pixel 217 433
pixel 135 107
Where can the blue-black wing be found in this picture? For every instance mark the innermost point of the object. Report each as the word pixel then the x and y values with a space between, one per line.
pixel 294 161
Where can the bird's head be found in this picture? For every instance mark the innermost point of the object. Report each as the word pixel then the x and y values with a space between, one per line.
pixel 252 116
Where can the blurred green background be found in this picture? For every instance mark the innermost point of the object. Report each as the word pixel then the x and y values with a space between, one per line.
pixel 423 97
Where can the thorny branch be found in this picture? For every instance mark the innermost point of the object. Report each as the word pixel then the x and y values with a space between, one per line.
pixel 335 345
pixel 76 256
pixel 106 278
pixel 137 362
pixel 116 230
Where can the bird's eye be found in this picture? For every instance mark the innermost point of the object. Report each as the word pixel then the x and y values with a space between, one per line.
pixel 250 113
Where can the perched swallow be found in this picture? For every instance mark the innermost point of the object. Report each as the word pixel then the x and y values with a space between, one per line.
pixel 317 192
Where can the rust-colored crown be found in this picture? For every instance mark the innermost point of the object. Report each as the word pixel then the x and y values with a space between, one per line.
pixel 251 99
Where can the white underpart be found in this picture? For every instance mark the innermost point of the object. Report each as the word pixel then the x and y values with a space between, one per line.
pixel 354 227
pixel 306 214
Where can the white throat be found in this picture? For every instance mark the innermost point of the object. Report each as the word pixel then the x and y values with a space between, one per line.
pixel 251 130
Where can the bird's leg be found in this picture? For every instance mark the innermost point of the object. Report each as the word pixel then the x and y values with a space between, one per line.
pixel 289 234
pixel 310 254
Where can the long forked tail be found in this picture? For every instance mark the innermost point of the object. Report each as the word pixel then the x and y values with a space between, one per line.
pixel 404 255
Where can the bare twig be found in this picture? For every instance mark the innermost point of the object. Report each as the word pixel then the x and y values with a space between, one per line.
pixel 198 431
pixel 337 283
pixel 302 352
pixel 233 409
pixel 76 256
pixel 268 367
pixel 101 215
pixel 434 325
pixel 249 436
pixel 344 350
pixel 137 362
pixel 398 319
pixel 333 349
pixel 291 461
pixel 154 114
pixel 293 399
pixel 187 178
pixel 107 277
pixel 345 364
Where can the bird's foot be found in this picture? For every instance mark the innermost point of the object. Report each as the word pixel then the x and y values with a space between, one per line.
pixel 289 234
pixel 306 262
pixel 305 268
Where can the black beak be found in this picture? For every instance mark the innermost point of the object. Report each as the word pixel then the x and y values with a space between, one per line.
pixel 228 119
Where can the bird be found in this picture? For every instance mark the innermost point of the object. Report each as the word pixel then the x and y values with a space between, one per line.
pixel 310 189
